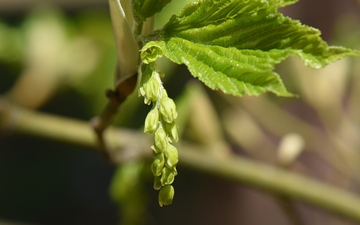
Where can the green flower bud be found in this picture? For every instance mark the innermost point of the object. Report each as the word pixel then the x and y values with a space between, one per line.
pixel 167 175
pixel 157 183
pixel 158 164
pixel 172 130
pixel 151 121
pixel 149 54
pixel 171 155
pixel 168 109
pixel 145 76
pixel 160 140
pixel 152 89
pixel 166 195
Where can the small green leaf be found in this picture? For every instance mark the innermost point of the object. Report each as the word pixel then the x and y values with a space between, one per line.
pixel 282 3
pixel 147 8
pixel 233 71
pixel 233 45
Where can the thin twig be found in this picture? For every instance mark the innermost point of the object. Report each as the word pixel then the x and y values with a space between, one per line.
pixel 233 168
pixel 116 97
pixel 126 69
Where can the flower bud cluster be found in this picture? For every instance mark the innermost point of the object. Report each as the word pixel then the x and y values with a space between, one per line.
pixel 160 121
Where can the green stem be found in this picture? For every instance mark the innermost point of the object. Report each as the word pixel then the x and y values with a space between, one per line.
pixel 234 168
pixel 272 179
pixel 126 69
pixel 126 45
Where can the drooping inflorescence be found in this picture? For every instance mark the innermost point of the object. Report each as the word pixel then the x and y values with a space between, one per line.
pixel 160 121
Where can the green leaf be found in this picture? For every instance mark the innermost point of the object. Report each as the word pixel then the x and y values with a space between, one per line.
pixel 283 3
pixel 233 71
pixel 146 8
pixel 233 45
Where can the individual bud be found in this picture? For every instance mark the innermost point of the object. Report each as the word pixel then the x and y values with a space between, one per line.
pixel 145 76
pixel 150 54
pixel 172 131
pixel 160 140
pixel 166 195
pixel 151 121
pixel 167 175
pixel 152 89
pixel 168 109
pixel 157 183
pixel 171 155
pixel 158 164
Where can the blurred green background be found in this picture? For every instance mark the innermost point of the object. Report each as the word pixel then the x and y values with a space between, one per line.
pixel 59 57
